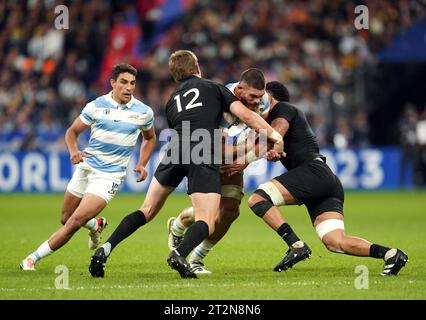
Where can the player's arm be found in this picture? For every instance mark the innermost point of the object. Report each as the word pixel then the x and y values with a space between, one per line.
pixel 281 125
pixel 71 135
pixel 147 147
pixel 255 121
pixel 232 151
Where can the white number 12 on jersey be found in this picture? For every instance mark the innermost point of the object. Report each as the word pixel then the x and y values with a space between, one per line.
pixel 191 103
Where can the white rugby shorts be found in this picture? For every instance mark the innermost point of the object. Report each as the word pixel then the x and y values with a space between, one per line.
pixel 88 180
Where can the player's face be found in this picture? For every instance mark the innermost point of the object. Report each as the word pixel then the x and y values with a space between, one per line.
pixel 249 96
pixel 123 87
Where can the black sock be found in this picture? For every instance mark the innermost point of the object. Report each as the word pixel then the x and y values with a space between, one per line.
pixel 287 234
pixel 126 227
pixel 193 237
pixel 378 251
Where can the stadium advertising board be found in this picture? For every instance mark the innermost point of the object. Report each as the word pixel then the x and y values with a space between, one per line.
pixel 364 169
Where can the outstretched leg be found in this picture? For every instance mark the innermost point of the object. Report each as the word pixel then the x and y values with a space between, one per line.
pixel 154 201
pixel 89 207
pixel 330 229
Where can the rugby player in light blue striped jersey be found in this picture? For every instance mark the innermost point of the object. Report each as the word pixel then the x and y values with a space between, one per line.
pixel 116 120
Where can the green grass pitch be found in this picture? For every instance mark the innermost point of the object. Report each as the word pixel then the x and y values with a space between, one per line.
pixel 241 264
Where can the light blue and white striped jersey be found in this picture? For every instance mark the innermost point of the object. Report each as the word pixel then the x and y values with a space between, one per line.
pixel 114 131
pixel 228 118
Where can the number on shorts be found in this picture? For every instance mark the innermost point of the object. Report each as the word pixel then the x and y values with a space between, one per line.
pixel 114 188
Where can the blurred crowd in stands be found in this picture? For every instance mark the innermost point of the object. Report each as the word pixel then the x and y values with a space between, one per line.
pixel 48 75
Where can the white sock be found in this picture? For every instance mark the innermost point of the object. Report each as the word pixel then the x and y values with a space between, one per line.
pixel 178 228
pixel 201 251
pixel 107 248
pixel 92 224
pixel 41 252
pixel 390 253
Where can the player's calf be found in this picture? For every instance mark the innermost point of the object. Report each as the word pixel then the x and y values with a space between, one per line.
pixel 264 200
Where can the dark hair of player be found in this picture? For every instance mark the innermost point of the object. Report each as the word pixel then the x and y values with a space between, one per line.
pixel 278 91
pixel 254 78
pixel 122 68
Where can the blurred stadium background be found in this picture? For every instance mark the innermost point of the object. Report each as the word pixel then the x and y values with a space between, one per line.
pixel 363 90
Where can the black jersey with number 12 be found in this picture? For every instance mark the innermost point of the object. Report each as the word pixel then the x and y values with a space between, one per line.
pixel 198 102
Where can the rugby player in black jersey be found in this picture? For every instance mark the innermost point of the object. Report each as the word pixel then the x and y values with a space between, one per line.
pixel 308 181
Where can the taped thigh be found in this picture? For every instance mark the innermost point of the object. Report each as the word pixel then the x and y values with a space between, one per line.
pixel 232 191
pixel 273 192
pixel 328 226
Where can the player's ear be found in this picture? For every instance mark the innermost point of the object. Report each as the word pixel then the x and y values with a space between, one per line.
pixel 198 70
pixel 238 91
pixel 112 82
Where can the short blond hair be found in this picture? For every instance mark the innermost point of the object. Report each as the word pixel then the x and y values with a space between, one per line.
pixel 183 64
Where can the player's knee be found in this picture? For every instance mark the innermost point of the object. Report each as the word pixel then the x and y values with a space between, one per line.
pixel 260 203
pixel 331 232
pixel 265 197
pixel 253 199
pixel 333 244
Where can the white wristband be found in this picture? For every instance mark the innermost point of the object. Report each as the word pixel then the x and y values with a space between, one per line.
pixel 276 136
pixel 251 156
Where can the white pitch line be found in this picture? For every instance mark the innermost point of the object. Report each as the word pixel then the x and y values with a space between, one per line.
pixel 186 285
pixel 191 285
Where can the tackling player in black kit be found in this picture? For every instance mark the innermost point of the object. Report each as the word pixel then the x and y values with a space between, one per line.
pixel 194 109
pixel 309 181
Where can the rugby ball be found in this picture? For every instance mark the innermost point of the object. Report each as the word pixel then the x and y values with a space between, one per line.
pixel 238 133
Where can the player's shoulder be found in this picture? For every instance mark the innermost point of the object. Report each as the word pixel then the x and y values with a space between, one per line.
pixel 231 86
pixel 285 105
pixel 100 102
pixel 202 82
pixel 265 103
pixel 140 107
pixel 283 109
